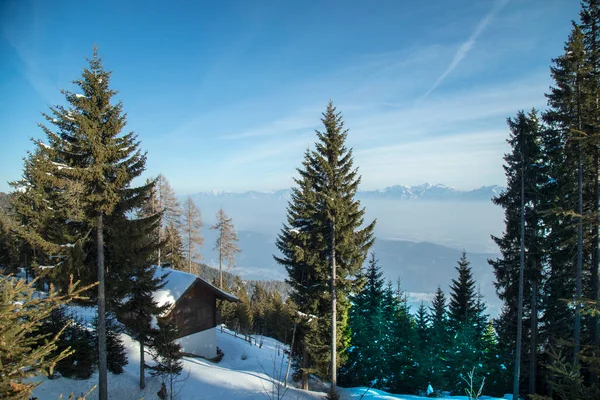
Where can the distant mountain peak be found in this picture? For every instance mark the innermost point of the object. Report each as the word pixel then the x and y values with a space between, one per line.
pixel 425 191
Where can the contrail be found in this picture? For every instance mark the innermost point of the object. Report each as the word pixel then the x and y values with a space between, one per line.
pixel 464 48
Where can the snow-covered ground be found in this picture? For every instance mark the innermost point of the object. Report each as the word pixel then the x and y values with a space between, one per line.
pixel 245 372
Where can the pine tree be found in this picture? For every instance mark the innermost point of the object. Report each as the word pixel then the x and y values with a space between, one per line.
pixel 322 232
pixel 462 308
pixel 25 351
pixel 226 242
pixel 167 355
pixel 89 165
pixel 400 345
pixel 116 357
pixel 467 322
pixel 423 355
pixel 190 229
pixel 439 342
pixel 364 366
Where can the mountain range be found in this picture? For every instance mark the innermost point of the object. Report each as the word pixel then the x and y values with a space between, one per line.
pixel 425 191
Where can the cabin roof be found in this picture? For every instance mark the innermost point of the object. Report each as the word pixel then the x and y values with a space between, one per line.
pixel 178 282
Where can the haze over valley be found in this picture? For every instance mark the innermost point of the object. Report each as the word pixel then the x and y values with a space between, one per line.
pixel 421 231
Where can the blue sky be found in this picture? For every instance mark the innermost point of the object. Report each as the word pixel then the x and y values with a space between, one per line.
pixel 227 94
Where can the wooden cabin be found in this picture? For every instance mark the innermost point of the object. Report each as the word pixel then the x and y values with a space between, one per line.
pixel 193 309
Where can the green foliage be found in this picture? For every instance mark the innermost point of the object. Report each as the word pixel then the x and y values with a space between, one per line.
pixel 80 364
pixel 116 357
pixel 167 355
pixel 368 324
pixel 25 350
pixel 439 341
pixel 321 203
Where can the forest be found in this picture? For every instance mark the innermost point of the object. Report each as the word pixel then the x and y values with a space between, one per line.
pixel 83 226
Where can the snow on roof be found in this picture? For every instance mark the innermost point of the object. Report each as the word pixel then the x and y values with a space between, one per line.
pixel 177 282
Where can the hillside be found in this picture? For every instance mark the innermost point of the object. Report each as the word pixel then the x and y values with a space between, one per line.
pixel 246 372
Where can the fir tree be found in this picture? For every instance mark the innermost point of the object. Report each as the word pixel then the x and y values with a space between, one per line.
pixel 467 323
pixel 167 355
pixel 462 307
pixel 90 165
pixel 364 366
pixel 400 345
pixel 25 351
pixel 322 213
pixel 140 309
pixel 423 356
pixel 439 341
pixel 226 242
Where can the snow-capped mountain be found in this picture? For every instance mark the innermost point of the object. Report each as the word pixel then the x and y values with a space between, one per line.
pixel 425 191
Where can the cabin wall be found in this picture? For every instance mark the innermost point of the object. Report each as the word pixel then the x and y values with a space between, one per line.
pixel 195 311
pixel 202 344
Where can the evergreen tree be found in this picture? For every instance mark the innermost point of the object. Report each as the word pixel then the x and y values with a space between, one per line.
pixel 190 229
pixel 116 358
pixel 167 355
pixel 324 220
pixel 467 326
pixel 423 356
pixel 525 164
pixel 364 366
pixel 25 351
pixel 462 307
pixel 401 343
pixel 226 242
pixel 140 310
pixel 439 342
pixel 89 166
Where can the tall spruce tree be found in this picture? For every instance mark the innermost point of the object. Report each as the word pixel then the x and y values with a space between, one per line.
pixel 89 165
pixel 462 307
pixel 467 324
pixel 322 212
pixel 364 366
pixel 439 341
pixel 524 165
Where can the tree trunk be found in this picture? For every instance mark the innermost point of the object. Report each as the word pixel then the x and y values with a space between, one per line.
pixel 520 300
pixel 287 371
pixel 577 340
pixel 305 368
pixel 102 376
pixel 142 363
pixel 221 261
pixel 190 249
pixel 533 339
pixel 333 313
pixel 596 255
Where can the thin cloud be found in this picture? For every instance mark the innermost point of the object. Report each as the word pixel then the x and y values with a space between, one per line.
pixel 467 46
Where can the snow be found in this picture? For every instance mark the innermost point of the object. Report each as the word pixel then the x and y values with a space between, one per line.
pixel 244 373
pixel 177 282
pixel 46 266
pixel 79 96
pixel 60 166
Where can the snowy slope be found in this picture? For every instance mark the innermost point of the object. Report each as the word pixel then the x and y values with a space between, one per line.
pixel 244 373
